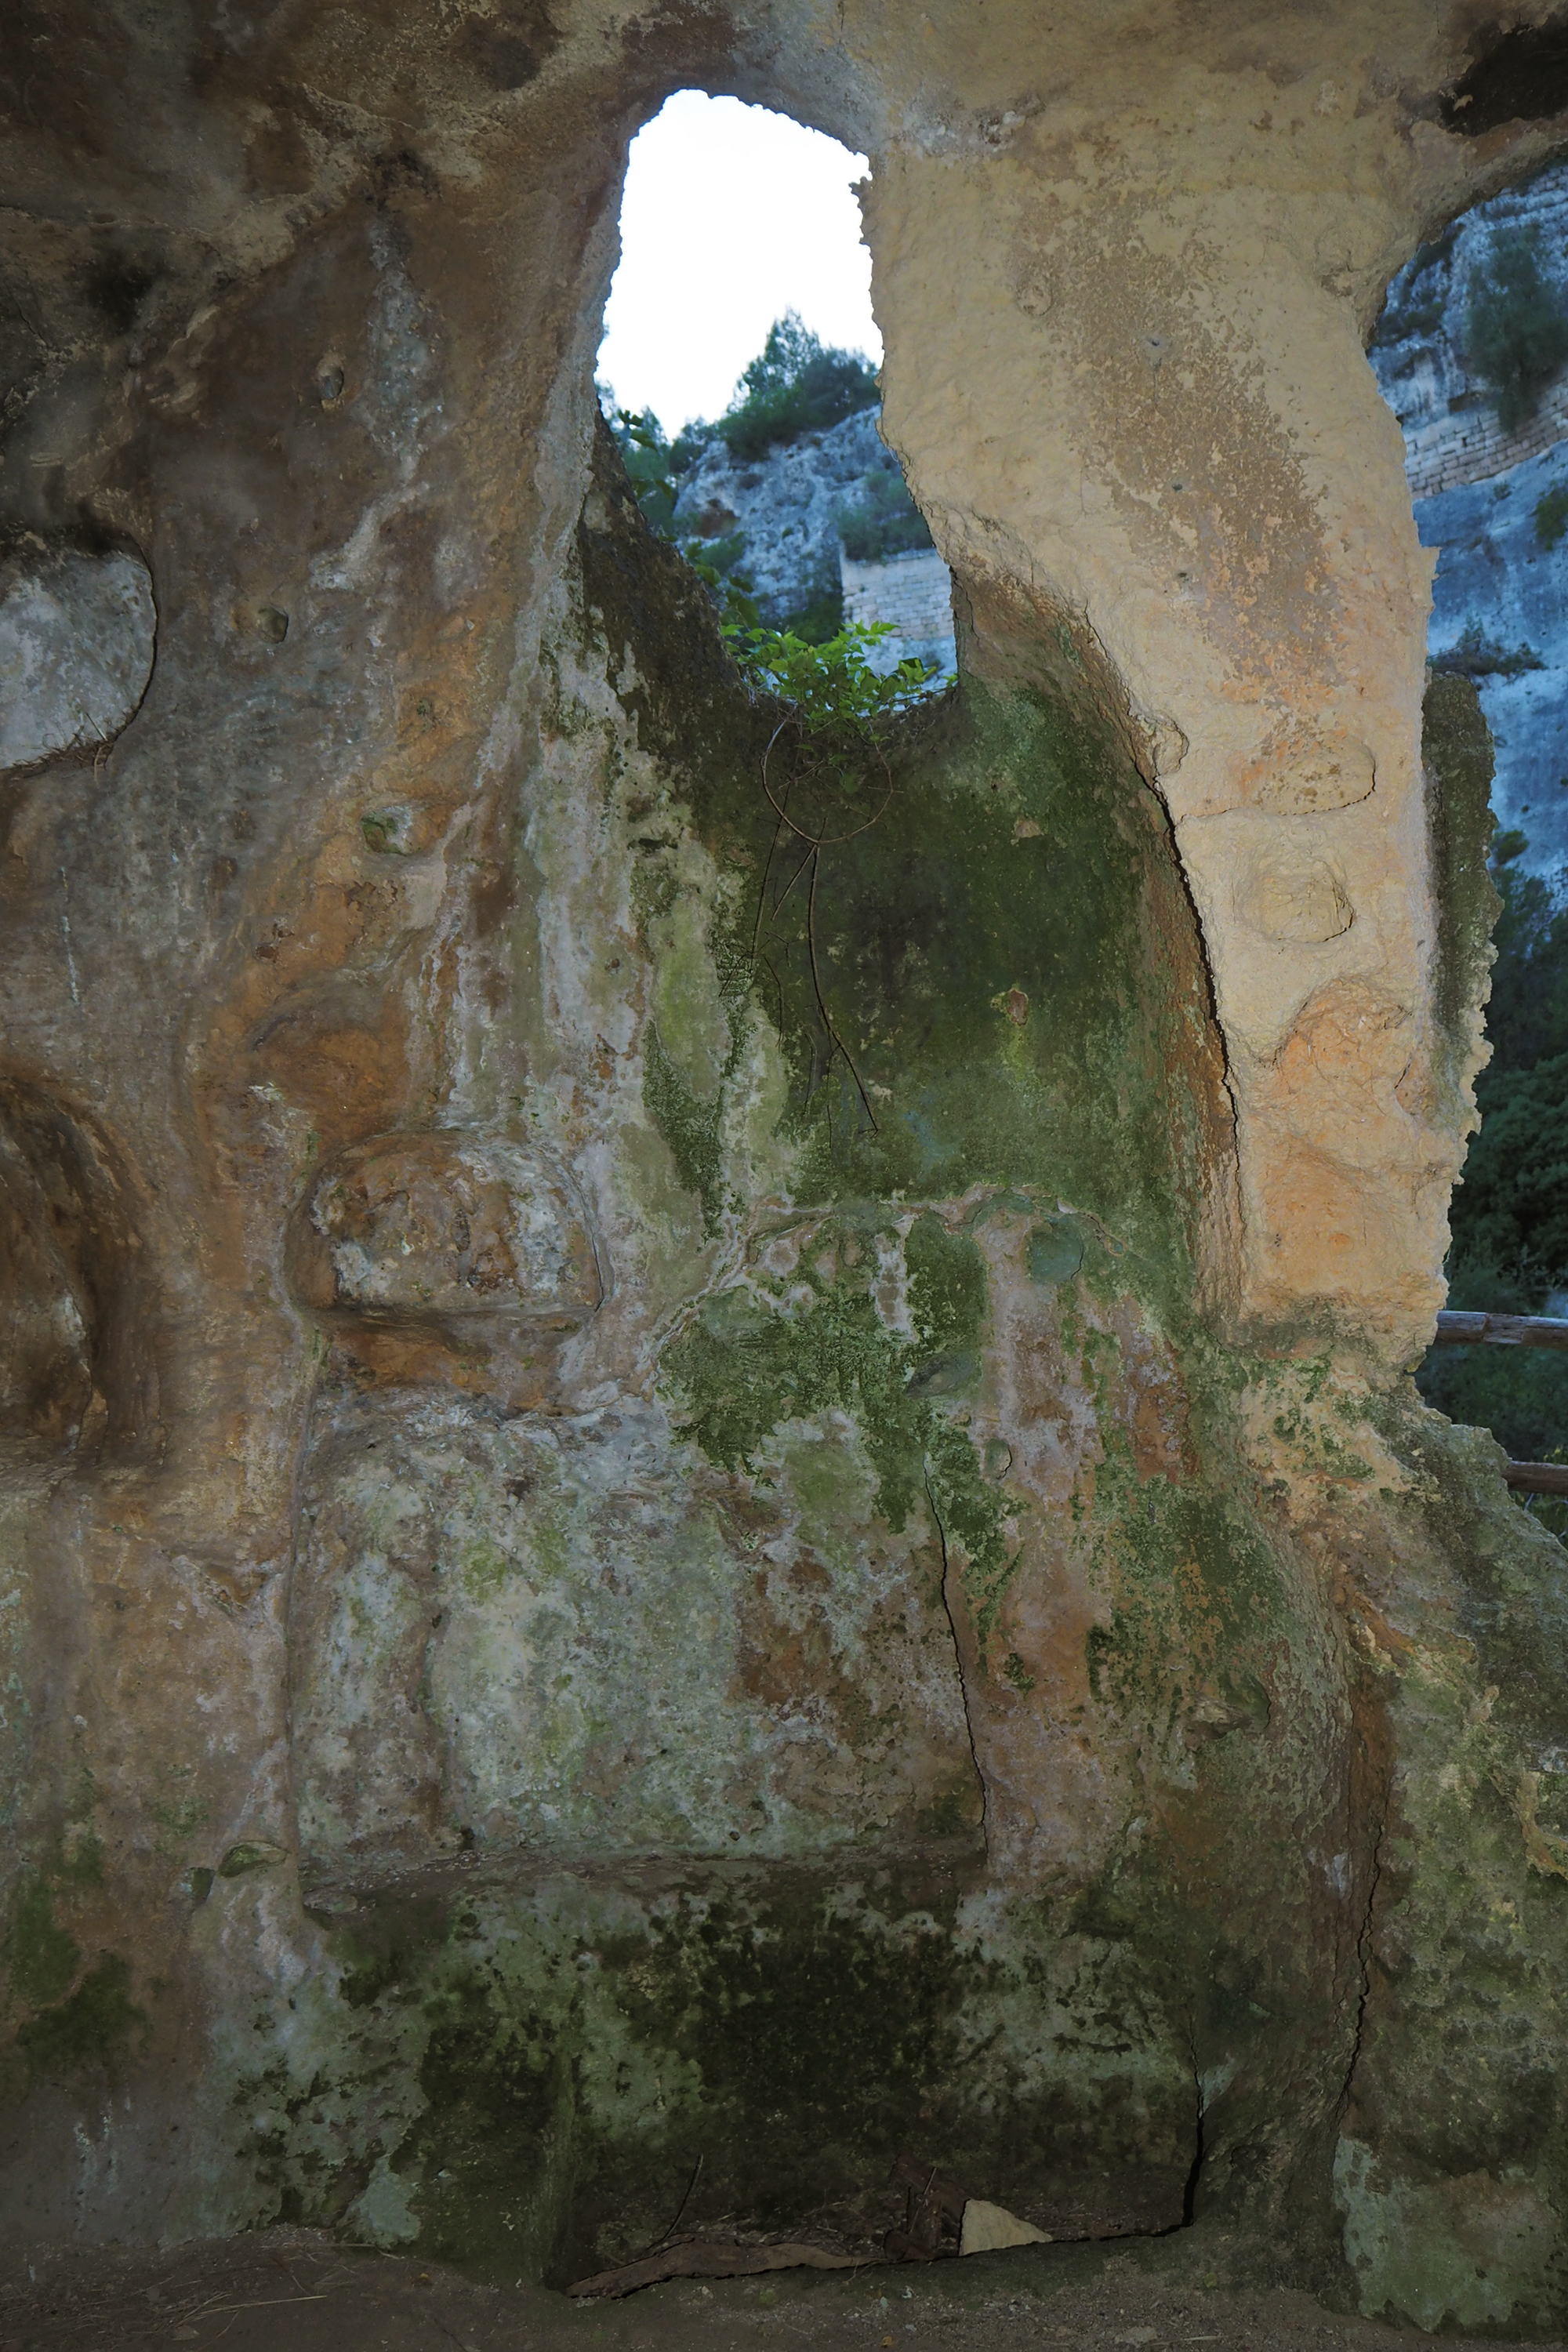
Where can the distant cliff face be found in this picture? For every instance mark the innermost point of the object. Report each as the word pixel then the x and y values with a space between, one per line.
pixel 1487 500
pixel 783 505
pixel 779 522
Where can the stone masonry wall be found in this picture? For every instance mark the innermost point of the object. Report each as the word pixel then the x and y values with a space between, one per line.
pixel 912 591
pixel 1472 446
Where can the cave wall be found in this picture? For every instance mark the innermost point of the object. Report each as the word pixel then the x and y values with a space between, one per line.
pixel 650 1516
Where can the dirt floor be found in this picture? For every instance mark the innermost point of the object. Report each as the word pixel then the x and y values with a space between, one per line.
pixel 301 2291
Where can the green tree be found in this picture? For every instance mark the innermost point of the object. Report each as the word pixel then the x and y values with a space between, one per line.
pixel 795 384
pixel 1527 1016
pixel 650 464
pixel 1511 1231
pixel 1516 330
pixel 1509 1217
pixel 1477 656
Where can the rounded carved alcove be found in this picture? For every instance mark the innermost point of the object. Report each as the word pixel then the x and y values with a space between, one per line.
pixel 74 1358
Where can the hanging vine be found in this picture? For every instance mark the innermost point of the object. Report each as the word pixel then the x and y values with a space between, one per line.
pixel 838 711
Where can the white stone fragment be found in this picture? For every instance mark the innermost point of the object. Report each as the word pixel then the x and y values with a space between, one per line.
pixel 77 635
pixel 988 2228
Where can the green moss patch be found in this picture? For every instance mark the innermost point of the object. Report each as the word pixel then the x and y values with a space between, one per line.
pixel 1457 758
pixel 996 979
pixel 92 2027
pixel 40 1956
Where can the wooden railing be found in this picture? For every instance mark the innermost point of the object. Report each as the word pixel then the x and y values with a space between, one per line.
pixel 1461 1330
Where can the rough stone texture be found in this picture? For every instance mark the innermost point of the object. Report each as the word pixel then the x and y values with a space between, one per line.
pixel 780 511
pixel 1494 575
pixel 775 520
pixel 921 1608
pixel 76 650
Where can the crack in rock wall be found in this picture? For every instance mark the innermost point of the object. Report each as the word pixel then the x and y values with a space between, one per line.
pixel 642 1492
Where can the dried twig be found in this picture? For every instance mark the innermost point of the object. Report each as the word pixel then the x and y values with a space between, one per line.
pixel 686 2201
pixel 815 844
pixel 821 840
pixel 701 2258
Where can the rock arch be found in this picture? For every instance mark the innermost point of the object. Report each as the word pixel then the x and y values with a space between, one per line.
pixel 1014 1502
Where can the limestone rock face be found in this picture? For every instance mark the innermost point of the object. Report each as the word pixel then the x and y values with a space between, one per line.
pixel 1421 351
pixel 783 505
pixel 1501 580
pixel 557 1634
pixel 434 1225
pixel 76 651
pixel 681 1477
pixel 445 1256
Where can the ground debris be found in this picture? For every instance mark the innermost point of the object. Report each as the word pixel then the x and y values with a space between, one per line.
pixel 934 2212
pixel 710 2258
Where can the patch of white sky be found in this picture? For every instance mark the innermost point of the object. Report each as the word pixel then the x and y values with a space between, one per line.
pixel 732 216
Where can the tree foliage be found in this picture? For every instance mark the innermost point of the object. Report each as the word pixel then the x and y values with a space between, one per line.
pixel 649 459
pixel 1527 1017
pixel 1511 1236
pixel 1551 515
pixel 795 384
pixel 1509 1218
pixel 1516 329
pixel 838 698
pixel 654 465
pixel 1478 655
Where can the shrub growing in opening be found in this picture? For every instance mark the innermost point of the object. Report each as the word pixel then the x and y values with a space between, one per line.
pixel 653 467
pixel 1552 515
pixel 795 384
pixel 838 698
pixel 820 620
pixel 1476 655
pixel 1516 329
pixel 650 465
